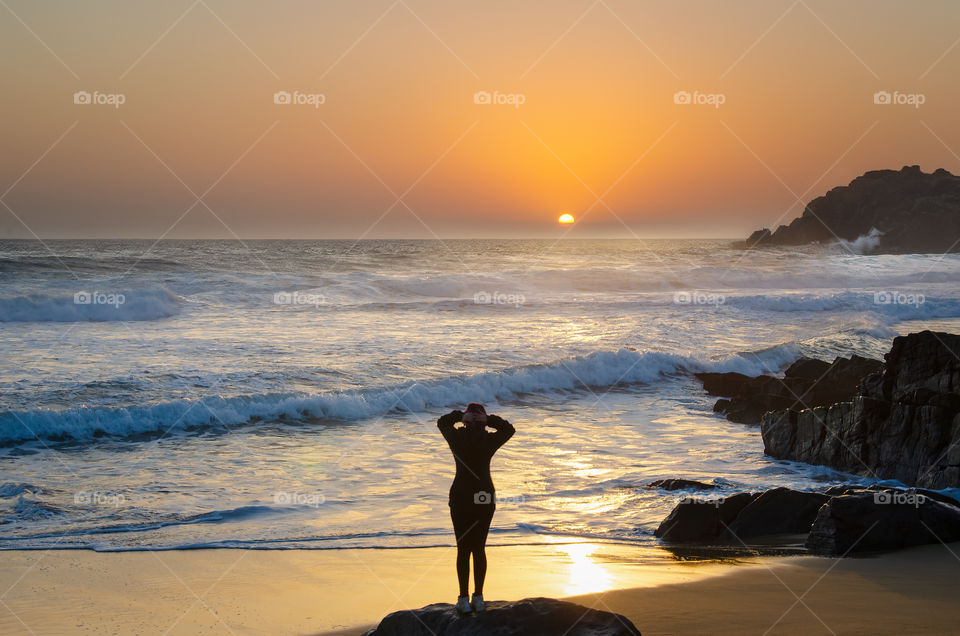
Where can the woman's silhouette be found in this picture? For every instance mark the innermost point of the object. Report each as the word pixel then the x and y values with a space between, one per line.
pixel 472 496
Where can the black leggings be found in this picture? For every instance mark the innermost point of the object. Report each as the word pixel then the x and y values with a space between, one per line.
pixel 471 523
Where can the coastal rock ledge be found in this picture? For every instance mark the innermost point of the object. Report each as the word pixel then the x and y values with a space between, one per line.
pixel 903 423
pixel 899 211
pixel 527 617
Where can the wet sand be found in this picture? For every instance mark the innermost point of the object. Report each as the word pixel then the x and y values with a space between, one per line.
pixel 347 591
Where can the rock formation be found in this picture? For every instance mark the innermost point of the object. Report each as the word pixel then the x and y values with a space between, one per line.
pixel 912 211
pixel 845 519
pixel 529 617
pixel 903 423
pixel 806 383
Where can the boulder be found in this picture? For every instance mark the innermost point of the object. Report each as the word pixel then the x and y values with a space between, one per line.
pixel 903 423
pixel 881 520
pixel 907 211
pixel 699 520
pixel 680 484
pixel 777 511
pixel 725 384
pixel 806 383
pixel 845 519
pixel 847 489
pixel 528 617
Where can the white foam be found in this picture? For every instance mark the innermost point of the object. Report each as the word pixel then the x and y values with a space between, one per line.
pixel 600 369
pixel 864 244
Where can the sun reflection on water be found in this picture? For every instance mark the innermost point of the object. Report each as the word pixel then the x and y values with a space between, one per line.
pixel 586 575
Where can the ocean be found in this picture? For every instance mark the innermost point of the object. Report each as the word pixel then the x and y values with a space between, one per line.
pixel 284 394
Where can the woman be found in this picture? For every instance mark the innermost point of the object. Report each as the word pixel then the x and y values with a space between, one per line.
pixel 472 496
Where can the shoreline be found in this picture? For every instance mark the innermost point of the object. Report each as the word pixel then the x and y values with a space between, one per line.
pixel 341 592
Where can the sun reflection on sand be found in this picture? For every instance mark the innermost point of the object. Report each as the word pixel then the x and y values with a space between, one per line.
pixel 585 574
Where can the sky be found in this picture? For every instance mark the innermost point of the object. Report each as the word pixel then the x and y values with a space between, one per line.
pixel 415 119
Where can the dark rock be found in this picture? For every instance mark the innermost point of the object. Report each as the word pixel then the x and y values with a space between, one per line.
pixel 757 238
pixel 698 519
pixel 806 383
pixel 913 212
pixel 777 511
pixel 874 521
pixel 725 384
pixel 807 369
pixel 846 489
pixel 680 484
pixel 529 617
pixel 903 424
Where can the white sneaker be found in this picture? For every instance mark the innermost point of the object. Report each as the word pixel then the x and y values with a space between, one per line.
pixel 463 605
pixel 477 602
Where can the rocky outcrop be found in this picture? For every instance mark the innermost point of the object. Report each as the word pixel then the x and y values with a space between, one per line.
pixel 701 520
pixel 889 519
pixel 902 424
pixel 680 484
pixel 806 383
pixel 777 511
pixel 912 211
pixel 529 617
pixel 845 519
pixel 741 516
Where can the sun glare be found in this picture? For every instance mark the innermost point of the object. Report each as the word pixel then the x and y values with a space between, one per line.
pixel 565 218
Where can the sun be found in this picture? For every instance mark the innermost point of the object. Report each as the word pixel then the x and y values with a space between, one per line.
pixel 565 218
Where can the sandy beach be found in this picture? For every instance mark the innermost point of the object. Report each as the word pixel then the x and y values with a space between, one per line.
pixel 347 591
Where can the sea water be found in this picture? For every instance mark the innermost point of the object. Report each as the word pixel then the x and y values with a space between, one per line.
pixel 284 394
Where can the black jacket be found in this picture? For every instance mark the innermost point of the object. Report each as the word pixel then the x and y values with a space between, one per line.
pixel 473 455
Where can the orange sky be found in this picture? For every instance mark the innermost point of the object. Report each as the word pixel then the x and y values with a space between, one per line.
pixel 598 132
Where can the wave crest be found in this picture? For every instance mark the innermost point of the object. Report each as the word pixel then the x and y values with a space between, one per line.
pixel 91 306
pixel 597 370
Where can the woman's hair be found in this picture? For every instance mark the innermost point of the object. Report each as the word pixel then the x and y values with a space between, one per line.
pixel 475 407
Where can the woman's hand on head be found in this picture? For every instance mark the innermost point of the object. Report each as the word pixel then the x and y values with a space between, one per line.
pixel 451 418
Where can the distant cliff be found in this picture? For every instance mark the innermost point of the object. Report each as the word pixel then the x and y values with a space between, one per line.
pixel 905 211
